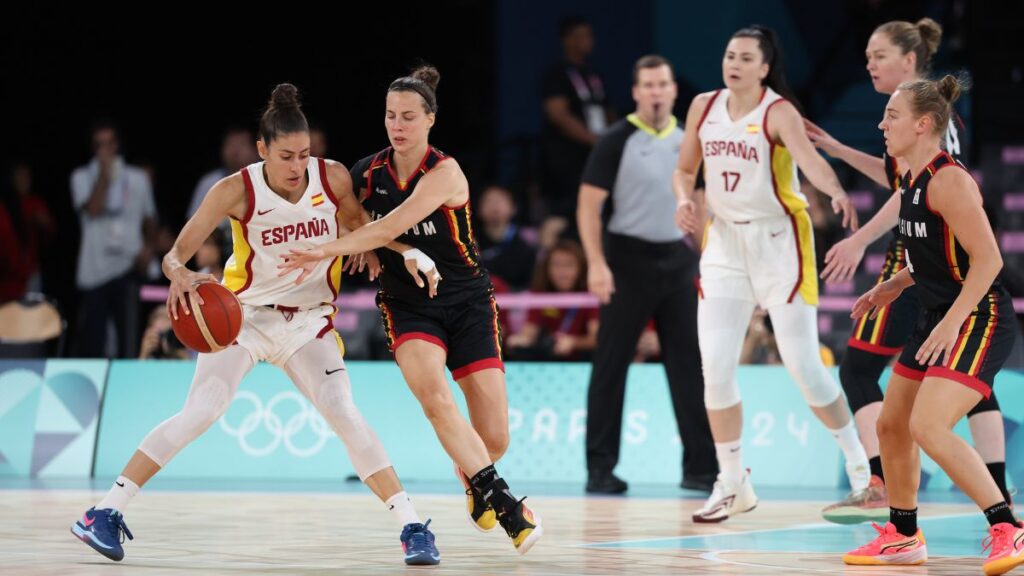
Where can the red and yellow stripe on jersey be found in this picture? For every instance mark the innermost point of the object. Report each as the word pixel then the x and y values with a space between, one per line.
pixel 238 272
pixel 461 227
pixel 785 186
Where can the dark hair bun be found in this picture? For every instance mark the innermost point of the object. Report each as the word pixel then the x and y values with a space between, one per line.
pixel 428 75
pixel 284 96
pixel 949 88
pixel 931 34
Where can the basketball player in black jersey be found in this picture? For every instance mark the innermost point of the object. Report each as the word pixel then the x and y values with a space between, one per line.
pixel 898 51
pixel 963 335
pixel 417 194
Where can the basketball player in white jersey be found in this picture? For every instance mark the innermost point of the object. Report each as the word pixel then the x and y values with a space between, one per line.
pixel 288 201
pixel 758 250
pixel 419 195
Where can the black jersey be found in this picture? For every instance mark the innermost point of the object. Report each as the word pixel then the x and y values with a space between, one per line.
pixel 446 235
pixel 937 261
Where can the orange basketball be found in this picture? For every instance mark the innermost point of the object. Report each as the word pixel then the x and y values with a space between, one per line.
pixel 212 326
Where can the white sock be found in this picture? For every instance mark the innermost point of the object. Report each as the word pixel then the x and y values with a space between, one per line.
pixel 857 467
pixel 403 509
pixel 730 461
pixel 120 494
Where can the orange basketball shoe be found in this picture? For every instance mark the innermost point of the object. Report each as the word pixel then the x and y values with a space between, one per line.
pixel 890 548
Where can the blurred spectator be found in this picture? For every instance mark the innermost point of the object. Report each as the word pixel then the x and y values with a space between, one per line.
pixel 648 348
pixel 41 226
pixel 556 333
pixel 828 229
pixel 165 237
pixel 237 150
pixel 503 250
pixel 551 231
pixel 317 142
pixel 150 271
pixel 759 347
pixel 25 226
pixel 210 256
pixel 114 201
pixel 13 278
pixel 576 110
pixel 159 341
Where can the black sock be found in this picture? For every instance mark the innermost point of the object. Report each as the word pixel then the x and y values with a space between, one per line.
pixel 876 467
pixel 998 472
pixel 905 521
pixel 483 478
pixel 1000 513
pixel 494 490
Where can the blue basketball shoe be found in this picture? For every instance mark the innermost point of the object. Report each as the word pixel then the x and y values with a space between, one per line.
pixel 418 545
pixel 104 530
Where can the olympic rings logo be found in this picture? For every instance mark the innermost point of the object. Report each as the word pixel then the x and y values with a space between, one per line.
pixel 266 418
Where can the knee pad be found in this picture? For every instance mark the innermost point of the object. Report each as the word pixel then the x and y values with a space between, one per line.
pixel 859 374
pixel 334 401
pixel 796 334
pixel 722 325
pixel 213 386
pixel 314 370
pixel 985 405
pixel 719 366
pixel 721 390
pixel 333 393
pixel 207 401
pixel 815 382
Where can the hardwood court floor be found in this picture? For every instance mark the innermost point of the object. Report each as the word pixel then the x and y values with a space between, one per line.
pixel 200 532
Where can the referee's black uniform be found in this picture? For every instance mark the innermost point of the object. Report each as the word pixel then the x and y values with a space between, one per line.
pixel 654 272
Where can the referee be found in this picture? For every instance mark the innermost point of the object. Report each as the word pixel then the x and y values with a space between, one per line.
pixel 640 267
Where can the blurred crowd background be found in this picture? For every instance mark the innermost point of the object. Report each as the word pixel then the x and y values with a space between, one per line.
pixel 162 111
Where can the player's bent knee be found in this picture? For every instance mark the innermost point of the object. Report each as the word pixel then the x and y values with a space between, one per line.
pixel 816 384
pixel 496 440
pixel 925 429
pixel 438 406
pixel 892 429
pixel 859 373
pixel 719 395
pixel 822 391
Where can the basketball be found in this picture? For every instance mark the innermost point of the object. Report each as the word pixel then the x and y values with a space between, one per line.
pixel 212 326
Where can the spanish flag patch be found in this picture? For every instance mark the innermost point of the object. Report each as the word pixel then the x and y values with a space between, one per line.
pixel 318 199
pixel 753 128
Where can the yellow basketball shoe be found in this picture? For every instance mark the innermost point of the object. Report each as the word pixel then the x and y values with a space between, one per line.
pixel 481 514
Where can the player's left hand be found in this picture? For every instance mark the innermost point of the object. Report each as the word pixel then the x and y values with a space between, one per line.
pixel 417 263
pixel 303 260
pixel 688 218
pixel 845 205
pixel 368 261
pixel 372 264
pixel 354 264
pixel 875 299
pixel 939 344
pixel 842 260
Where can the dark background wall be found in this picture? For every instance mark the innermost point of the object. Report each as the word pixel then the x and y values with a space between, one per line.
pixel 175 78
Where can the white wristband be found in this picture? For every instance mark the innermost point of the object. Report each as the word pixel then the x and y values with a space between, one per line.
pixel 423 262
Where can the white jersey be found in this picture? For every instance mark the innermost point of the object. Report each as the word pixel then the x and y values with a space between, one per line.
pixel 746 175
pixel 272 227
